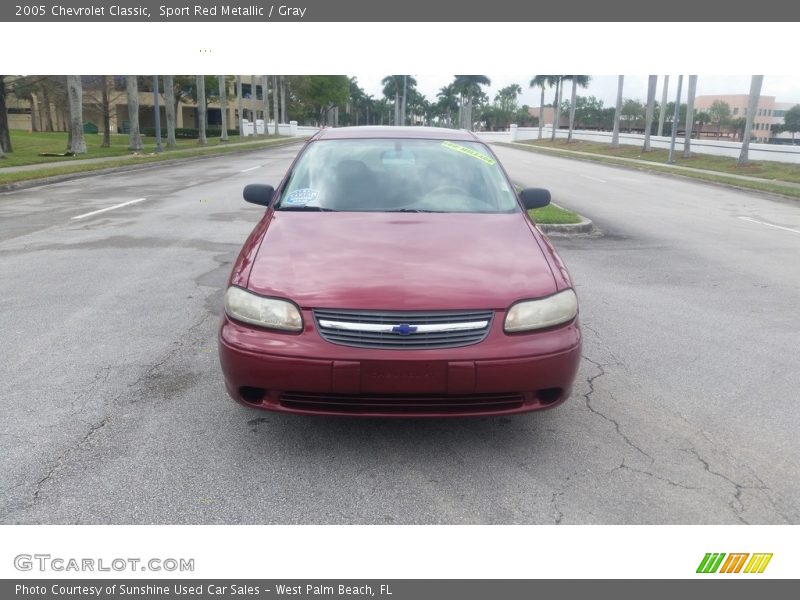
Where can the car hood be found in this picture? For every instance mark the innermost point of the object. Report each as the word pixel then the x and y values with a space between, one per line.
pixel 394 261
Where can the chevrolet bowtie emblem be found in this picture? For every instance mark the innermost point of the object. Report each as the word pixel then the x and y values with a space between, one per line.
pixel 404 329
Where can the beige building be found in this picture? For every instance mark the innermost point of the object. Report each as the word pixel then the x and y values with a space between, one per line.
pixel 769 112
pixel 36 113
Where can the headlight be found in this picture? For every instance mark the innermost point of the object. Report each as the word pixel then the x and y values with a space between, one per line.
pixel 264 312
pixel 545 312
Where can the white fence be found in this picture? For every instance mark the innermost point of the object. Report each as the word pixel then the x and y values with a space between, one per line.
pixel 291 128
pixel 774 152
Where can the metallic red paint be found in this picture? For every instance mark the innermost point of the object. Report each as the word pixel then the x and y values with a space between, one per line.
pixel 399 261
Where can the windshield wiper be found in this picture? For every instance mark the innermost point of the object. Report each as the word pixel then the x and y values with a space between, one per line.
pixel 413 210
pixel 306 208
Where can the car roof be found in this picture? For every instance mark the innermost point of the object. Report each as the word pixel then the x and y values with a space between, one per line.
pixel 384 132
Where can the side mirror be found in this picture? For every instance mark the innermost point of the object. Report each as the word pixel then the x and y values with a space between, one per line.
pixel 258 193
pixel 534 197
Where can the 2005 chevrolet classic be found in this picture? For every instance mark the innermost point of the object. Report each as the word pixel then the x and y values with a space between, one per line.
pixel 395 272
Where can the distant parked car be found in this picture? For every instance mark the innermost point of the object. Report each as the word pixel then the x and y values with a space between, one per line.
pixel 395 273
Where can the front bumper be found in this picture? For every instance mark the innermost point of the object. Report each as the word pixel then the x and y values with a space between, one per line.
pixel 302 373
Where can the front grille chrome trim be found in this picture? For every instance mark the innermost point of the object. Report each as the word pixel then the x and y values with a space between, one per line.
pixel 426 328
pixel 403 330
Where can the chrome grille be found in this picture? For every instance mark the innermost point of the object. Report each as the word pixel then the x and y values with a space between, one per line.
pixel 403 330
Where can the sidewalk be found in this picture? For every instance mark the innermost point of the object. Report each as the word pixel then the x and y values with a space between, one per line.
pixel 651 164
pixel 77 160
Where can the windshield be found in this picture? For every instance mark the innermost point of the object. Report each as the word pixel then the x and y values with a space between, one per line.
pixel 397 175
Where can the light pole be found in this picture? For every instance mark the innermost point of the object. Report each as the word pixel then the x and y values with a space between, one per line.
pixel 157 109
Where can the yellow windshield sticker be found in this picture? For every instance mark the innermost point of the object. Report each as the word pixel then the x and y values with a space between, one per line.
pixel 469 152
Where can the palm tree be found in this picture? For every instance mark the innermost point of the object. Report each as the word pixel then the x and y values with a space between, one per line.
pixel 752 105
pixel 556 106
pixel 135 137
pixel 223 108
pixel 284 118
pixel 265 88
pixel 169 109
pixel 398 86
pixel 662 113
pixel 617 113
pixel 542 81
pixel 77 145
pixel 470 87
pixel 274 103
pixel 448 103
pixel 652 82
pixel 689 127
pixel 201 109
pixel 239 107
pixel 577 80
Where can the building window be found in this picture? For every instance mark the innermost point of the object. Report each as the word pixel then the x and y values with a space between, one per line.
pixel 778 113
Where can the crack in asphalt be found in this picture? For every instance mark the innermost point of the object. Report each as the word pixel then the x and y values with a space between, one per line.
pixel 64 455
pixel 58 464
pixel 557 493
pixel 654 476
pixel 590 381
pixel 738 487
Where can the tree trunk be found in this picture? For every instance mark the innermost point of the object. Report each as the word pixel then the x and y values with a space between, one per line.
pixel 132 87
pixel 556 111
pixel 239 105
pixel 541 113
pixel 5 136
pixel 572 108
pixel 265 86
pixel 752 105
pixel 615 133
pixel 254 99
pixel 662 114
pixel 275 101
pixel 35 117
pixel 105 109
pixel 77 145
pixel 223 108
pixel 48 117
pixel 283 100
pixel 396 109
pixel 170 109
pixel 201 109
pixel 652 82
pixel 689 127
pixel 403 113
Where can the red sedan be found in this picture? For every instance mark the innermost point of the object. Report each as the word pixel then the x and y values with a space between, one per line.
pixel 395 272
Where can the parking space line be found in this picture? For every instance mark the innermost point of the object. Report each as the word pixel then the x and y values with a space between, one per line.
pixel 250 169
pixel 102 210
pixel 593 178
pixel 769 224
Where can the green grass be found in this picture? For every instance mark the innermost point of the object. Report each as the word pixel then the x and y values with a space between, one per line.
pixel 764 169
pixel 553 215
pixel 779 171
pixel 31 144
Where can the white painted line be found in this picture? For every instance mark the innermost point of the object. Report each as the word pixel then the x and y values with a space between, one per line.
pixel 769 224
pixel 250 169
pixel 102 210
pixel 594 178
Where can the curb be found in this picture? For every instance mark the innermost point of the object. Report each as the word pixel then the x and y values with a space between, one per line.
pixel 31 183
pixel 585 226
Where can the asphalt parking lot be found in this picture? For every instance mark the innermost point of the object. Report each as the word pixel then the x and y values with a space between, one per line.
pixel 685 409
